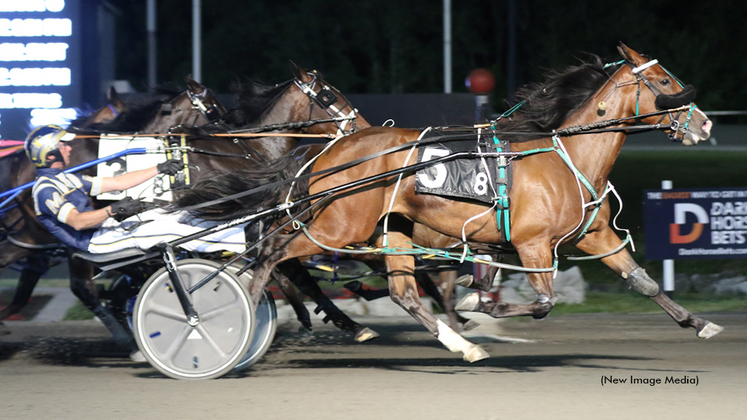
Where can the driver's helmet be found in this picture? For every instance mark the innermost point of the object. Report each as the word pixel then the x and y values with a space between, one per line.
pixel 44 142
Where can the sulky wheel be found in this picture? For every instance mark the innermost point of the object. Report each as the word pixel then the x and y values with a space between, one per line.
pixel 216 344
pixel 266 323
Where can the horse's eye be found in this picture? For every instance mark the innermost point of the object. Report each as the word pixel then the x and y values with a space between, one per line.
pixel 664 82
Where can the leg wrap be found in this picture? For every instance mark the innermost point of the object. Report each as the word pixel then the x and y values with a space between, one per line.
pixel 639 281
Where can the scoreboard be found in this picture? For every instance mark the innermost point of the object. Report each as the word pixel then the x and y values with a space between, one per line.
pixel 40 80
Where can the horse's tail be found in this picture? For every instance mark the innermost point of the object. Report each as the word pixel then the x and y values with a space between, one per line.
pixel 219 187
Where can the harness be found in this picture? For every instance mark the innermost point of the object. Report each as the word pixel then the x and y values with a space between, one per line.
pixel 667 104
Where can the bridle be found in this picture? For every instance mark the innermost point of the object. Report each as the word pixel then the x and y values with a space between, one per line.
pixel 211 113
pixel 667 102
pixel 326 99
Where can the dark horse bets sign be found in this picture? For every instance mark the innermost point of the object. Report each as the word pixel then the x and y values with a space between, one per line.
pixel 697 223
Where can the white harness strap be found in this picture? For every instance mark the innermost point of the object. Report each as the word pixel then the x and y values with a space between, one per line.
pixel 645 66
pixel 308 90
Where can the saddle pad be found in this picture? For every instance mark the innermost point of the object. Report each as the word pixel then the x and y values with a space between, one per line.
pixel 153 189
pixel 471 178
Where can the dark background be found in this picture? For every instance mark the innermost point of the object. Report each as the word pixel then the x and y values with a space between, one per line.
pixel 395 46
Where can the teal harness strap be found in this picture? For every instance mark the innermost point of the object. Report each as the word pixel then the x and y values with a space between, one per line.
pixel 502 210
pixel 502 213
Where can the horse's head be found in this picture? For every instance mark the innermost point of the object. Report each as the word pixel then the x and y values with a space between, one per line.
pixel 659 91
pixel 114 106
pixel 195 106
pixel 324 102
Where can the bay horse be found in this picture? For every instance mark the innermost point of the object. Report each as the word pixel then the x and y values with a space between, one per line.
pixel 306 97
pixel 548 204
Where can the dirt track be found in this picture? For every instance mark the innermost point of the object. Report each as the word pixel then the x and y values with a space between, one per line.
pixel 550 369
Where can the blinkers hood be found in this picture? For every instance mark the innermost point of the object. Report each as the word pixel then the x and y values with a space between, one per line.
pixel 676 100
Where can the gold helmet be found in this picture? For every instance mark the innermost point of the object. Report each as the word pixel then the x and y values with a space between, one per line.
pixel 44 142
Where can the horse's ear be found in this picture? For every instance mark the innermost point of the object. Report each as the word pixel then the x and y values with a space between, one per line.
pixel 112 97
pixel 630 55
pixel 193 85
pixel 300 74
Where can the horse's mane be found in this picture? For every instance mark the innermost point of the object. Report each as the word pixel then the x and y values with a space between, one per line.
pixel 223 185
pixel 550 103
pixel 252 101
pixel 140 110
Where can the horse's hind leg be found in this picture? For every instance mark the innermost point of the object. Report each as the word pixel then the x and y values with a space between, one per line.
pixel 37 265
pixel 536 255
pixel 622 263
pixel 446 298
pixel 295 300
pixel 404 292
pixel 294 270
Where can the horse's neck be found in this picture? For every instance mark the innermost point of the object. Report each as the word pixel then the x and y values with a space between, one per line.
pixel 595 154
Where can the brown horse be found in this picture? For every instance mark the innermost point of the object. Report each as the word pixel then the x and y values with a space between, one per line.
pixel 307 97
pixel 548 205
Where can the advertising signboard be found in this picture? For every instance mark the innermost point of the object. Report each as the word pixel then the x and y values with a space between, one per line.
pixel 695 223
pixel 39 64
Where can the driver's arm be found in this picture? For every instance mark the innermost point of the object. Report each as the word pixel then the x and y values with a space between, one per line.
pixel 86 219
pixel 125 181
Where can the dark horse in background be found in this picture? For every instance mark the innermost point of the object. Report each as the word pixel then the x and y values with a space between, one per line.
pixel 549 206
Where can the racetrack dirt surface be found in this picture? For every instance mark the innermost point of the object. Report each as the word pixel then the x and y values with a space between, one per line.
pixel 550 369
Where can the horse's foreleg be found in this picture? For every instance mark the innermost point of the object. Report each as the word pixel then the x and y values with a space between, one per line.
pixel 404 292
pixel 295 300
pixel 622 263
pixel 532 256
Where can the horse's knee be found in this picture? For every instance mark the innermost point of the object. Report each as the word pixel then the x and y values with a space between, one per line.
pixel 639 281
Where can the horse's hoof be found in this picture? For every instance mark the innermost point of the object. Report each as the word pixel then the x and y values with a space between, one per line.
pixel 3 329
pixel 465 280
pixel 468 303
pixel 365 335
pixel 470 325
pixel 709 330
pixel 475 355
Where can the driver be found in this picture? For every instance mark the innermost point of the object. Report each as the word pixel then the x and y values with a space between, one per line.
pixel 62 204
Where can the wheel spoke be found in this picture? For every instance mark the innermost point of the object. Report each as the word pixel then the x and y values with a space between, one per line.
pixel 209 339
pixel 208 315
pixel 166 312
pixel 178 342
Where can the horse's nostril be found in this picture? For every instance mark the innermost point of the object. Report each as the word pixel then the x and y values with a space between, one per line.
pixel 707 126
